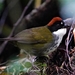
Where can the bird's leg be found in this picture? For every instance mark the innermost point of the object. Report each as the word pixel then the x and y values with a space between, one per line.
pixel 24 53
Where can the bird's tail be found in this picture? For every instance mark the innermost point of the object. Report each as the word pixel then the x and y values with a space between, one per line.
pixel 10 39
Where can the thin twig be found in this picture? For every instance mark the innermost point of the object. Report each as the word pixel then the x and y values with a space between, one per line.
pixel 5 13
pixel 21 17
pixel 67 43
pixel 15 25
pixel 69 37
pixel 25 9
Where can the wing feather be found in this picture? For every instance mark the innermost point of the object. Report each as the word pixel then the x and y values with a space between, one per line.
pixel 34 35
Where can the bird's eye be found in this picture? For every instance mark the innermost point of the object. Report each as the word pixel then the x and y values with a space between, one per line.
pixel 62 23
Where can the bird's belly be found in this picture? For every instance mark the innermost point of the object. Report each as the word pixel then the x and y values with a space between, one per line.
pixel 38 49
pixel 33 49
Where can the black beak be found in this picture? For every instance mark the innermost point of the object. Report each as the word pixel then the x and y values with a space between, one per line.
pixel 66 26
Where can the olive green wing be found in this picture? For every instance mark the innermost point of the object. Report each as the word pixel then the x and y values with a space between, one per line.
pixel 34 35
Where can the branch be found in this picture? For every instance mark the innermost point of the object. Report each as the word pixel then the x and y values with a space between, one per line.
pixel 39 16
pixel 5 13
pixel 69 37
pixel 15 25
pixel 33 19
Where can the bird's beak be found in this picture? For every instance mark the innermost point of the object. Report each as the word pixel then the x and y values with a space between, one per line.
pixel 66 25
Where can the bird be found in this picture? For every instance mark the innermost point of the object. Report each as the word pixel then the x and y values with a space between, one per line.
pixel 41 40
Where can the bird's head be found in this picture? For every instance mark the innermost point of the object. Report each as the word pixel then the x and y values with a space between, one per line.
pixel 55 24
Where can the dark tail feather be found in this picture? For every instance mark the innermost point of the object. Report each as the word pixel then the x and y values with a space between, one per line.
pixel 10 39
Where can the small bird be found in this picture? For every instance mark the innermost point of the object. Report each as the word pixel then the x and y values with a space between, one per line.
pixel 41 40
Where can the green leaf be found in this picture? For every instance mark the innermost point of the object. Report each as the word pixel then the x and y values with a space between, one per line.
pixel 28 65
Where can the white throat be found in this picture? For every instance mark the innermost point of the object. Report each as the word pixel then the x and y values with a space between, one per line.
pixel 60 33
